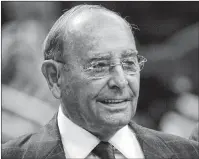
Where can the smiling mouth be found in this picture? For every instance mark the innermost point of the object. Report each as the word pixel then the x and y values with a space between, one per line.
pixel 113 101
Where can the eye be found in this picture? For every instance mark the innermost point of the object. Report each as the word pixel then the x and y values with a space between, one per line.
pixel 129 62
pixel 97 66
pixel 100 64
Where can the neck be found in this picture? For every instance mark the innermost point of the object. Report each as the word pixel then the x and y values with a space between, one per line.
pixel 105 134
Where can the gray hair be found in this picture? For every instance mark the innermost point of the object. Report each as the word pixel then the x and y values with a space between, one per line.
pixel 53 46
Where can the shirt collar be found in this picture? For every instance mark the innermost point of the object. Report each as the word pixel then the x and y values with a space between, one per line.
pixel 78 142
pixel 126 142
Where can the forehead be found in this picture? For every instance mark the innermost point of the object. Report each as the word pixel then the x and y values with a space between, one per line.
pixel 100 33
pixel 111 54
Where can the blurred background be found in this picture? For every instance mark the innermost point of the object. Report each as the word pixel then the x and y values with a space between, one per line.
pixel 168 38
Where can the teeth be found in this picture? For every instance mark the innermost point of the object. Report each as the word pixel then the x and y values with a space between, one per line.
pixel 113 101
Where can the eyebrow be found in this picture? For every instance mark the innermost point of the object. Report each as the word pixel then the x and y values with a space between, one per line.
pixel 129 53
pixel 107 56
pixel 100 56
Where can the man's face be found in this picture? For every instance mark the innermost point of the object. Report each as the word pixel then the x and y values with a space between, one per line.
pixel 104 102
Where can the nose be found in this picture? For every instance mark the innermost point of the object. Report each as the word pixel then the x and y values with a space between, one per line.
pixel 118 78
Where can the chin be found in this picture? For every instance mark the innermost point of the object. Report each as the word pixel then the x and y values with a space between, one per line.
pixel 117 120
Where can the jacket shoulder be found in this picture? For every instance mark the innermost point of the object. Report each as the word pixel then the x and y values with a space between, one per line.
pixel 172 139
pixel 46 142
pixel 178 145
pixel 14 149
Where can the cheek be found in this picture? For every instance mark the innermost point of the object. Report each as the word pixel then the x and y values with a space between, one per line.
pixel 88 93
pixel 89 90
pixel 79 89
pixel 69 85
pixel 134 84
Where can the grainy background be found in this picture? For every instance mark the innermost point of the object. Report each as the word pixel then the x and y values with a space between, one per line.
pixel 168 38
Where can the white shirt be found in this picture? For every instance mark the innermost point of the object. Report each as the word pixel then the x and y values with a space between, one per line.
pixel 78 142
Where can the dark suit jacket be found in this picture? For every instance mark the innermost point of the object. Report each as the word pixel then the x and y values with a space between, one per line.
pixel 46 144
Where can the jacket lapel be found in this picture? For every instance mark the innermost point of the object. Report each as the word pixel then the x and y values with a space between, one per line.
pixel 46 143
pixel 150 143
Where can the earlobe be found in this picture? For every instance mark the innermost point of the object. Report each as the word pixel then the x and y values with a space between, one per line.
pixel 56 91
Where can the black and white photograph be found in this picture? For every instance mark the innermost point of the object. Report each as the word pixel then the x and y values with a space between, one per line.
pixel 99 80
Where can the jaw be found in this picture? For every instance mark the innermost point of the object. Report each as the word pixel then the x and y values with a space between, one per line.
pixel 109 120
pixel 109 126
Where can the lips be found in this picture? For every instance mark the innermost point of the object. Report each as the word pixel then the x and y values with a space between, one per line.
pixel 113 101
pixel 114 105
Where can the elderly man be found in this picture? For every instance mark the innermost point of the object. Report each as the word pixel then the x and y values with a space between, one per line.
pixel 93 67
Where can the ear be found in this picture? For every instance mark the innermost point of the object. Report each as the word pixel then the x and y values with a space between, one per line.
pixel 51 71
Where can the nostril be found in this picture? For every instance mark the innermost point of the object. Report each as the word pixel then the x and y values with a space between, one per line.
pixel 115 87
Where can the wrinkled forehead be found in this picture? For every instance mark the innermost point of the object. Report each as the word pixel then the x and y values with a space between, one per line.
pixel 99 32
